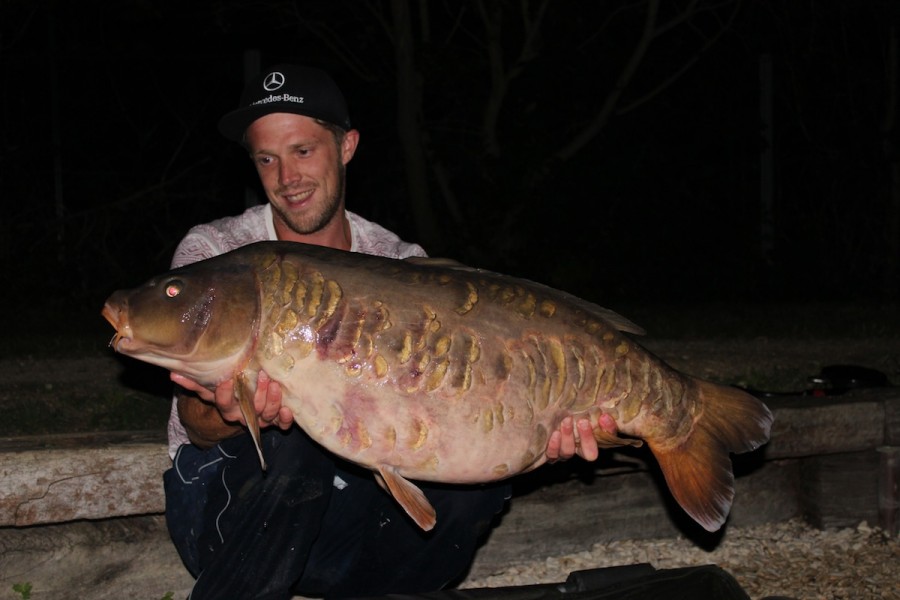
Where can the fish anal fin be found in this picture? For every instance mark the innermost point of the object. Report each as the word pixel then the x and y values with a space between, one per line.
pixel 698 469
pixel 410 497
pixel 243 393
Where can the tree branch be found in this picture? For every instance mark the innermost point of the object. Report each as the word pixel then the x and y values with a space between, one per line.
pixel 668 81
pixel 501 77
pixel 651 32
pixel 612 99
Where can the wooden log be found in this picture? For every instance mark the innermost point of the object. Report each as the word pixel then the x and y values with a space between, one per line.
pixel 840 490
pixel 810 426
pixel 62 478
pixel 892 420
pixel 889 489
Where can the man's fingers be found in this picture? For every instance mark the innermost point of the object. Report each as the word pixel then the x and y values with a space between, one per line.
pixel 285 418
pixel 587 447
pixel 259 397
pixel 608 424
pixel 227 403
pixel 268 400
pixel 192 386
pixel 553 446
pixel 578 438
pixel 568 443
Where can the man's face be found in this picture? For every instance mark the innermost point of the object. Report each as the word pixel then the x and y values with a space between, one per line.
pixel 302 171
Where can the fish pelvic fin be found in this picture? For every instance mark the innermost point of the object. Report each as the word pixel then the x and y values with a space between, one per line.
pixel 243 393
pixel 409 496
pixel 698 470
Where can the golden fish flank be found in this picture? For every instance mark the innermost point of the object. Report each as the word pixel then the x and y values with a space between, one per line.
pixel 464 360
pixel 547 309
pixel 436 377
pixel 583 396
pixel 316 288
pixel 287 323
pixel 379 366
pixel 430 324
pixel 291 275
pixel 333 295
pixel 492 417
pixel 419 433
pixel 471 299
pixel 405 352
pixel 353 369
pixel 362 435
pixel 487 420
pixel 430 464
pixel 442 346
pixel 522 301
pixel 351 432
pixel 501 471
pixel 390 438
pixel 353 332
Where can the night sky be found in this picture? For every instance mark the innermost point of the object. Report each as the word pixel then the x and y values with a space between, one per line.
pixel 616 166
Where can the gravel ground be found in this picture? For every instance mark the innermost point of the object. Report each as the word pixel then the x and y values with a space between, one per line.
pixel 780 559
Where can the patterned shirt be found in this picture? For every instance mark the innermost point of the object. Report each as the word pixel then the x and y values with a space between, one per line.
pixel 256 225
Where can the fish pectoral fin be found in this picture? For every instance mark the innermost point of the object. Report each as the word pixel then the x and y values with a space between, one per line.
pixel 611 440
pixel 410 497
pixel 243 393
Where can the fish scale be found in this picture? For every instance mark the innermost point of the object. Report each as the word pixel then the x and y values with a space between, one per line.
pixel 426 370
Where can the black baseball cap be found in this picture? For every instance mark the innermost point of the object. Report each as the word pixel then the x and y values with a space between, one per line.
pixel 290 89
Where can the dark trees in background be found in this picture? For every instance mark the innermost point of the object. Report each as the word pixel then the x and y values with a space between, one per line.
pixel 609 148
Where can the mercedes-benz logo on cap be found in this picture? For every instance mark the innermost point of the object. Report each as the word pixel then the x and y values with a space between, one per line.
pixel 273 81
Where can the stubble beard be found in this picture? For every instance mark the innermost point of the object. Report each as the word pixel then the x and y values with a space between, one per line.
pixel 317 221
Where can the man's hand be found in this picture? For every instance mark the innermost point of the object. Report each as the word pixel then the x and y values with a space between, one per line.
pixel 567 442
pixel 210 417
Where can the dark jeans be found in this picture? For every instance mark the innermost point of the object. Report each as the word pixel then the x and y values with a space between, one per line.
pixel 245 533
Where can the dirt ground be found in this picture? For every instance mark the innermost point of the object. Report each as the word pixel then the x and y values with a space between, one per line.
pixel 106 392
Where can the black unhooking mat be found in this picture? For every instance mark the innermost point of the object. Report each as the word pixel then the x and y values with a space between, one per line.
pixel 630 582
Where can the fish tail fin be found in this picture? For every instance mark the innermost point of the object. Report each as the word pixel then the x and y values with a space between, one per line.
pixel 698 468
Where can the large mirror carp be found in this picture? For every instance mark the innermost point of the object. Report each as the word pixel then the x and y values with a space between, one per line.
pixel 422 369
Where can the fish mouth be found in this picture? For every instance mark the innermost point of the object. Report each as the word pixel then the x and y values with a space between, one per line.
pixel 119 320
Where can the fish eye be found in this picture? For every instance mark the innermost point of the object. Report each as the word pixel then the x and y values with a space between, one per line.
pixel 173 288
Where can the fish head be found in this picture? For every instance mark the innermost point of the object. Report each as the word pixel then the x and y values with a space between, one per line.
pixel 200 320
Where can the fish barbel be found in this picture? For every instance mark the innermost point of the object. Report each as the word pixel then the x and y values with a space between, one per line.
pixel 421 369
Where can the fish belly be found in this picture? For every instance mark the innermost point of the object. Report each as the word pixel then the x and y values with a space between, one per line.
pixel 432 437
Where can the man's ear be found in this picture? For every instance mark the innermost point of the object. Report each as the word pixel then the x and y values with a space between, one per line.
pixel 348 145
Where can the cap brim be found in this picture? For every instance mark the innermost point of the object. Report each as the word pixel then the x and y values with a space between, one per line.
pixel 234 124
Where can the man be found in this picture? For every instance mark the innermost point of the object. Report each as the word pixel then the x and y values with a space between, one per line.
pixel 311 524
